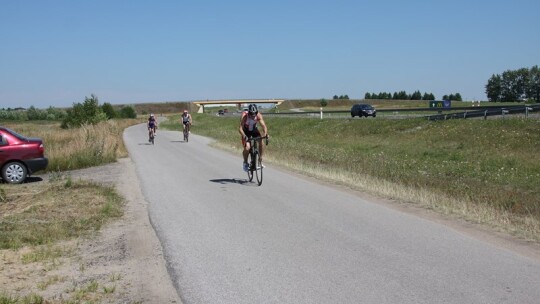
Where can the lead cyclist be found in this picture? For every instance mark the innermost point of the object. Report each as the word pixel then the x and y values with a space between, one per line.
pixel 151 125
pixel 186 120
pixel 248 127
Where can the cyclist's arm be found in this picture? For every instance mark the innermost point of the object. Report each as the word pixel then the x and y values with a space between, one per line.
pixel 241 128
pixel 263 125
pixel 190 119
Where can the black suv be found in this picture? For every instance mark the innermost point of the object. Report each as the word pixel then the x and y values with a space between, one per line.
pixel 363 110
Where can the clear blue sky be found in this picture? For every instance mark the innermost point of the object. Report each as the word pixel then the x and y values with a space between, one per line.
pixel 54 53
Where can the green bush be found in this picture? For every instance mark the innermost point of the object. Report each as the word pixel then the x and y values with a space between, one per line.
pixel 128 112
pixel 108 110
pixel 88 112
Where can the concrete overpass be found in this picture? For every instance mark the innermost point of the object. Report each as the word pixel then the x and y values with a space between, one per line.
pixel 239 102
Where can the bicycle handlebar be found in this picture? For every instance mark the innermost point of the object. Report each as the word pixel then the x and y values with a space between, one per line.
pixel 259 137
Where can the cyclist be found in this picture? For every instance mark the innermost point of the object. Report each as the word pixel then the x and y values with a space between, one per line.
pixel 151 125
pixel 248 127
pixel 186 120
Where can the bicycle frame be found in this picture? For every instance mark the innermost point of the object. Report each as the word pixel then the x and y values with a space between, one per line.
pixel 187 128
pixel 151 135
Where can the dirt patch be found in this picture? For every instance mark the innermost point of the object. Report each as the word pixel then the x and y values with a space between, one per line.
pixel 122 263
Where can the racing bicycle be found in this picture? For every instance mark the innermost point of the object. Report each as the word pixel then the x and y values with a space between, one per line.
pixel 254 160
pixel 151 135
pixel 186 132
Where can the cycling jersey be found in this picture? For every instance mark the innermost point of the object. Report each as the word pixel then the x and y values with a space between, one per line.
pixel 185 119
pixel 251 123
pixel 151 122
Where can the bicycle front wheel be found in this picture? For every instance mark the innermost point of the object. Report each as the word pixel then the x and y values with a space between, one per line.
pixel 252 165
pixel 258 169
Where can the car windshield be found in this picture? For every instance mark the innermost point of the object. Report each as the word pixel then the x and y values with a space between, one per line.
pixel 367 107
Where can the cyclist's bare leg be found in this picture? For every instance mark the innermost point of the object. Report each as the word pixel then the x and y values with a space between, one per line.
pixel 245 153
pixel 261 149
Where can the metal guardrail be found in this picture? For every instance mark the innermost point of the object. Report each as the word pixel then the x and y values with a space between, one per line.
pixel 491 111
pixel 468 112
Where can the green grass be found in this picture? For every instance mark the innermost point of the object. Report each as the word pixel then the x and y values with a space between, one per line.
pixel 489 167
pixel 56 212
pixel 29 299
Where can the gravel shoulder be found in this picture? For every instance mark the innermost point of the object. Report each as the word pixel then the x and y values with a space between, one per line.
pixel 131 242
pixel 130 246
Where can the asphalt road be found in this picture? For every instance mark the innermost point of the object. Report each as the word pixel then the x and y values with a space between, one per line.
pixel 292 240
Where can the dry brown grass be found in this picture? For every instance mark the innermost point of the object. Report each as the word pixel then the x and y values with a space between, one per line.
pixel 42 213
pixel 87 146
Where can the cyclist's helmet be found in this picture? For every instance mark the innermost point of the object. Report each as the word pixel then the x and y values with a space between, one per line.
pixel 252 109
pixel 152 115
pixel 185 111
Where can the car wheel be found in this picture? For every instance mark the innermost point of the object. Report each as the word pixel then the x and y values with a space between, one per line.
pixel 14 173
pixel 374 115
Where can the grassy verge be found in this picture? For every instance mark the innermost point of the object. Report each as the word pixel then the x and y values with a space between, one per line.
pixel 36 217
pixel 37 222
pixel 485 171
pixel 43 214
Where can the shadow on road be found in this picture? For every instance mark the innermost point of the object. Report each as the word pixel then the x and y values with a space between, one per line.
pixel 229 181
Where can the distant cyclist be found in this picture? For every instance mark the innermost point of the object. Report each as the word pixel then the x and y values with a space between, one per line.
pixel 186 120
pixel 248 127
pixel 151 125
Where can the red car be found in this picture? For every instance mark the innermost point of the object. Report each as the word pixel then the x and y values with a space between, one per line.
pixel 20 156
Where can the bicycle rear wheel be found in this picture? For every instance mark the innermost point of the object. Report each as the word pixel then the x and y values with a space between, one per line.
pixel 186 136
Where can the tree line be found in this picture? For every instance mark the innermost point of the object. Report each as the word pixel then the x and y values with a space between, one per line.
pixel 417 95
pixel 87 112
pixel 514 85
pixel 32 114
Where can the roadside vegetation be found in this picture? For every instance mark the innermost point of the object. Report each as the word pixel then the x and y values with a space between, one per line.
pixel 81 147
pixel 37 219
pixel 40 228
pixel 30 213
pixel 483 171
